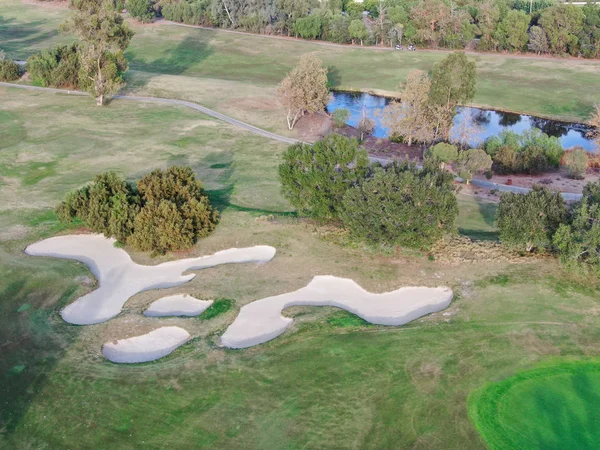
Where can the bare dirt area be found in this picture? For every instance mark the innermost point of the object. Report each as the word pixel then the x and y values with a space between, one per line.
pixel 313 127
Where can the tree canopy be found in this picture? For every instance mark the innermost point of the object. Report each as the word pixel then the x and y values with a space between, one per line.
pixel 103 37
pixel 304 89
pixel 315 177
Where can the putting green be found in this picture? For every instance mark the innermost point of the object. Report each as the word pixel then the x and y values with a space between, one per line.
pixel 552 407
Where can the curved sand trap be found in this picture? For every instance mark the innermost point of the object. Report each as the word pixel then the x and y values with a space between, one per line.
pixel 147 347
pixel 177 305
pixel 261 321
pixel 121 278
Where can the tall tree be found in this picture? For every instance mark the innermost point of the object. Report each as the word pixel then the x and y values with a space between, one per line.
pixel 538 41
pixel 409 118
pixel 562 23
pixel 589 37
pixel 103 37
pixel 512 31
pixel 304 89
pixel 453 81
pixel 358 30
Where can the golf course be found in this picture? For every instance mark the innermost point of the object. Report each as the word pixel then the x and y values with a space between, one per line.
pixel 267 333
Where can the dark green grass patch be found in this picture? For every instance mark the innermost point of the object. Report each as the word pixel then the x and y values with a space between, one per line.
pixel 344 319
pixel 219 306
pixel 552 407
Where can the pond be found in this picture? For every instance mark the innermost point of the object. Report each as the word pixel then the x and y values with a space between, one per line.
pixel 486 122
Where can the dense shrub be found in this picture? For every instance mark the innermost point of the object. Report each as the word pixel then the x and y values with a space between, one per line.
pixel 141 10
pixel 108 205
pixel 576 162
pixel 473 161
pixel 175 212
pixel 340 116
pixel 528 221
pixel 532 152
pixel 167 210
pixel 444 153
pixel 9 70
pixel 578 242
pixel 315 177
pixel 400 204
pixel 58 66
pixel 191 13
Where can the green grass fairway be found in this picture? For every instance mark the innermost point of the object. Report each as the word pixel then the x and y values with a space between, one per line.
pixel 238 74
pixel 330 382
pixel 555 407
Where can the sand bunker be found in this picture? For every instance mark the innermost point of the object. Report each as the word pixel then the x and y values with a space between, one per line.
pixel 261 321
pixel 120 278
pixel 177 305
pixel 147 347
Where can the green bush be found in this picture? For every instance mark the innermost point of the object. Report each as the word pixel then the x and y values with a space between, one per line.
pixel 528 222
pixel 141 10
pixel 400 204
pixel 340 117
pixel 107 206
pixel 194 13
pixel 167 210
pixel 175 212
pixel 444 153
pixel 532 152
pixel 576 162
pixel 58 66
pixel 314 178
pixel 473 161
pixel 578 242
pixel 9 70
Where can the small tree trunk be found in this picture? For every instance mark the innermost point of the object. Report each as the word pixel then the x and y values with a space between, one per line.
pixel 100 85
pixel 361 42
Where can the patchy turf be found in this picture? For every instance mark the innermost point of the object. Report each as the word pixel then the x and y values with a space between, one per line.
pixel 556 406
pixel 330 382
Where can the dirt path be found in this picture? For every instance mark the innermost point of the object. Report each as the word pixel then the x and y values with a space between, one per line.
pixel 169 101
pixel 251 128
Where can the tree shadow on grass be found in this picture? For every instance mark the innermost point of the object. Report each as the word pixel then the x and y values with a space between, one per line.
pixel 17 38
pixel 33 339
pixel 174 61
pixel 217 169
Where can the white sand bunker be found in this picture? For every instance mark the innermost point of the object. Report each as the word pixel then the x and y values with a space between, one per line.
pixel 261 321
pixel 147 347
pixel 121 278
pixel 177 305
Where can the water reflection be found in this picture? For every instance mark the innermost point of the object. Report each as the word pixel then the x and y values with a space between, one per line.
pixel 484 123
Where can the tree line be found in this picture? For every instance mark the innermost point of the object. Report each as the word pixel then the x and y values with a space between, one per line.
pixel 540 26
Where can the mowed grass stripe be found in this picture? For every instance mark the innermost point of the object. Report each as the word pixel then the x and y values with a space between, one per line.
pixel 552 407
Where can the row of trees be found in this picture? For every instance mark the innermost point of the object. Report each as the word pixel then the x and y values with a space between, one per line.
pixel 541 26
pixel 165 211
pixel 541 221
pixel 332 181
